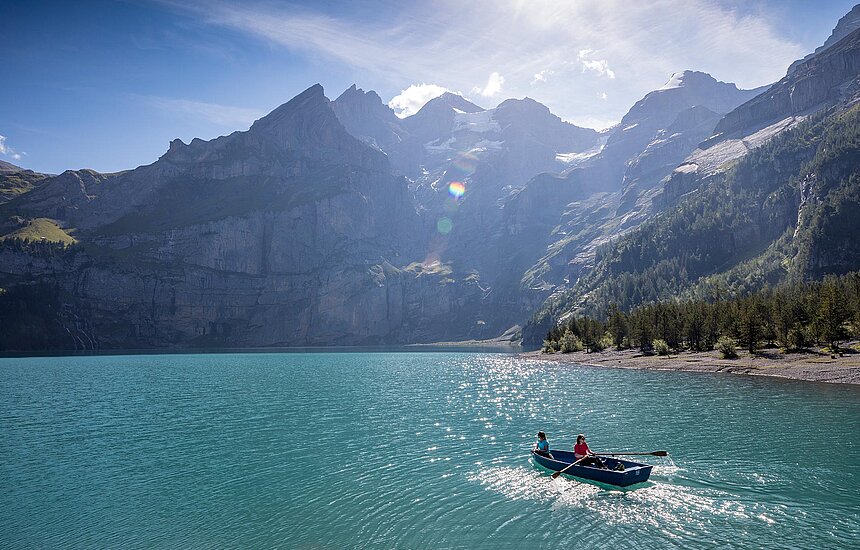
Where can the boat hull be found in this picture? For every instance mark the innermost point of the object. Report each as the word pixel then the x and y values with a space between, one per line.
pixel 634 472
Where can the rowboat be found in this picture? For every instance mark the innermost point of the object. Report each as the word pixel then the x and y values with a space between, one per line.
pixel 633 472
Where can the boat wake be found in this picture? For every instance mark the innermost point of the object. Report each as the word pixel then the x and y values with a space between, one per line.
pixel 679 511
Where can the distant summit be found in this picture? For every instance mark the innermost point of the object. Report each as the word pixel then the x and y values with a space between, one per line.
pixel 366 117
pixel 449 100
pixel 337 222
pixel 825 78
pixel 849 23
pixel 9 167
pixel 690 79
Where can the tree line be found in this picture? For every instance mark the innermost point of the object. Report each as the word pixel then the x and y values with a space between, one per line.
pixel 793 316
pixel 738 232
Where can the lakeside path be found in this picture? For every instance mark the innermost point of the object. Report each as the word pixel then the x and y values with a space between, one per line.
pixel 813 366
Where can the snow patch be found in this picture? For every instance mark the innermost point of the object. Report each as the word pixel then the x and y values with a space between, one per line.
pixel 572 158
pixel 576 158
pixel 486 144
pixel 687 168
pixel 712 159
pixel 480 122
pixel 676 81
pixel 436 147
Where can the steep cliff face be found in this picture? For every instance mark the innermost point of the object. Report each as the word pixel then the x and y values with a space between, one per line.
pixel 486 154
pixel 292 233
pixel 828 215
pixel 827 78
pixel 295 232
pixel 642 139
pixel 824 79
pixel 847 24
pixel 15 181
pixel 335 222
pixel 772 195
pixel 563 219
pixel 366 117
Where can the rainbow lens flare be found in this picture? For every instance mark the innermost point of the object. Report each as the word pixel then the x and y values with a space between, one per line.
pixel 465 163
pixel 456 189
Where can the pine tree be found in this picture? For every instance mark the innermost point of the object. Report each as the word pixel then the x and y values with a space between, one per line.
pixel 783 318
pixel 832 313
pixel 694 325
pixel 617 325
pixel 751 323
pixel 644 329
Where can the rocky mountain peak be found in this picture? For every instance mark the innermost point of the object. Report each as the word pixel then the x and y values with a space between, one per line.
pixel 436 118
pixel 689 78
pixel 355 95
pixel 9 167
pixel 520 117
pixel 308 126
pixel 366 117
pixel 683 90
pixel 355 107
pixel 849 23
pixel 311 100
pixel 524 105
pixel 446 102
pixel 825 78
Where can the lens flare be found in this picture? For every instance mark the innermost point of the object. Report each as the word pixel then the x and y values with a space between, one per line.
pixel 456 189
pixel 444 225
pixel 466 163
pixel 451 206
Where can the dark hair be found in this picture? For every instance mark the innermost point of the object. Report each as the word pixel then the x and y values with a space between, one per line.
pixel 580 436
pixel 541 435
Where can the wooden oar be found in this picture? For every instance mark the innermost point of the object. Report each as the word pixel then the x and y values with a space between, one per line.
pixel 652 453
pixel 563 470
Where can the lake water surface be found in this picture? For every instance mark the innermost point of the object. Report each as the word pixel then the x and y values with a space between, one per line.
pixel 412 450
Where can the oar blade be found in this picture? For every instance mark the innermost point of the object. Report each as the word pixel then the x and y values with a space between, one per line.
pixel 660 453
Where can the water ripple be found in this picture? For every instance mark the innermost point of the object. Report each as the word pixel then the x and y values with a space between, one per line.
pixel 413 450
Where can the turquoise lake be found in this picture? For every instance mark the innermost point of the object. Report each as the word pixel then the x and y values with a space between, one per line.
pixel 413 450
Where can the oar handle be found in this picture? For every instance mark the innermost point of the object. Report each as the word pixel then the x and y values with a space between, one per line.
pixel 569 466
pixel 652 453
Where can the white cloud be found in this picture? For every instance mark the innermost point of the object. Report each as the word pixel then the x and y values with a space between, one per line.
pixel 410 100
pixel 8 151
pixel 541 76
pixel 222 115
pixel 635 46
pixel 603 96
pixel 599 66
pixel 493 87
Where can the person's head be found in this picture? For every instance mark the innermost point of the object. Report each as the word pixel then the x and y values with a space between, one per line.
pixel 580 439
pixel 541 436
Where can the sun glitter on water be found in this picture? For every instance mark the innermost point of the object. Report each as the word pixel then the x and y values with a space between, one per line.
pixel 456 189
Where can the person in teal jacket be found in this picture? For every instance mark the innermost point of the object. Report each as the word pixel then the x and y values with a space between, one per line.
pixel 542 445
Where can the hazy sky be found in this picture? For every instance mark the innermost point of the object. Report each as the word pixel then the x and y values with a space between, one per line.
pixel 106 85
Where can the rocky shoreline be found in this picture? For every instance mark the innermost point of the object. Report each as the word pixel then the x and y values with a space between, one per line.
pixel 812 366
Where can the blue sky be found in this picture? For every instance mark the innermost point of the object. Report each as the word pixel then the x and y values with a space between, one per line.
pixel 106 85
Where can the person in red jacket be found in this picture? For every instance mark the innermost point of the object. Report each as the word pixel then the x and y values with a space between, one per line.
pixel 582 453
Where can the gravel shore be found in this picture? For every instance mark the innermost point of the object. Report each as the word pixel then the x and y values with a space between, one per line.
pixel 813 365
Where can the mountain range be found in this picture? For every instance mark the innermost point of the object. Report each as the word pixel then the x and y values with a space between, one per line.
pixel 334 222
